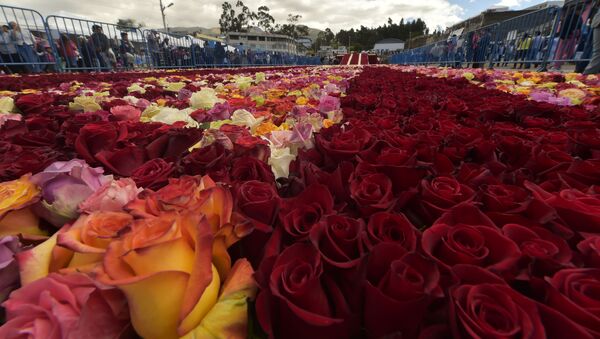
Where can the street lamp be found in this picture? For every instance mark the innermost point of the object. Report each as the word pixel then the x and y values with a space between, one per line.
pixel 162 12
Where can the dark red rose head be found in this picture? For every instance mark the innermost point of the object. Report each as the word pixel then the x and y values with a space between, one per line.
pixel 205 160
pixel 344 145
pixel 475 245
pixel 35 103
pixel 441 194
pixel 339 239
pixel 300 214
pixel 391 227
pixel 372 193
pixel 257 200
pixel 296 300
pixel 250 168
pixel 153 174
pixel 398 283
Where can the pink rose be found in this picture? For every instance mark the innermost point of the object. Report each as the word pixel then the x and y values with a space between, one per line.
pixel 328 103
pixel 126 112
pixel 65 306
pixel 111 197
pixel 9 270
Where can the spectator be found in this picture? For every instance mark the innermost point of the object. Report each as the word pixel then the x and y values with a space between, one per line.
pixel 100 46
pixel 165 49
pixel 153 47
pixel 68 51
pixel 8 50
pixel 594 66
pixel 85 51
pixel 25 43
pixel 536 48
pixel 523 50
pixel 126 51
pixel 569 31
pixel 219 53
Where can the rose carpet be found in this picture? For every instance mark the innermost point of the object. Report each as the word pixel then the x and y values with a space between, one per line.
pixel 297 202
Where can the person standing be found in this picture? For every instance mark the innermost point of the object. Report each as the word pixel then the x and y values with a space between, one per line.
pixel 100 46
pixel 25 43
pixel 68 51
pixel 8 51
pixel 594 66
pixel 126 51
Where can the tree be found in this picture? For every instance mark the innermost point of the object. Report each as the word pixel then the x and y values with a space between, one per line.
pixel 128 23
pixel 235 19
pixel 293 28
pixel 264 19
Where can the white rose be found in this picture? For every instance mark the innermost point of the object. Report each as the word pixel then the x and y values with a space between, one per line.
pixel 136 88
pixel 241 117
pixel 7 105
pixel 280 160
pixel 206 98
pixel 169 116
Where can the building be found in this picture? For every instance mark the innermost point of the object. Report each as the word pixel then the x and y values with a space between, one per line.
pixel 260 40
pixel 545 5
pixel 388 45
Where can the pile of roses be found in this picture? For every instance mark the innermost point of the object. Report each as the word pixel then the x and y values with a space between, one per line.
pixel 327 202
pixel 563 89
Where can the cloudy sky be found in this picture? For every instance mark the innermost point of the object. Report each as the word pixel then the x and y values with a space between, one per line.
pixel 336 14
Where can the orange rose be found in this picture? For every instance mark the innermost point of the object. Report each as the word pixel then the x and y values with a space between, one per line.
pixel 164 266
pixel 78 246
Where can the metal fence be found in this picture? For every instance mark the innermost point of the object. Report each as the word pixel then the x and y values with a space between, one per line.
pixel 547 37
pixel 24 46
pixel 31 44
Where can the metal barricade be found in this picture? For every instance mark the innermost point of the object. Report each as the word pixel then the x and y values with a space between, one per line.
pixel 550 36
pixel 523 41
pixel 170 51
pixel 85 45
pixel 572 36
pixel 24 43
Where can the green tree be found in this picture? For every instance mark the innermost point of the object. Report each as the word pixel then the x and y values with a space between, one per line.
pixel 264 19
pixel 292 28
pixel 235 18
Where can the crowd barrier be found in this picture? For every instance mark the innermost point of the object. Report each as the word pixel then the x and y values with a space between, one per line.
pixel 59 44
pixel 546 37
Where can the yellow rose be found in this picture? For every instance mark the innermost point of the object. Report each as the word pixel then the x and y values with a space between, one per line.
pixel 150 112
pixel 84 103
pixel 15 215
pixel 265 128
pixel 301 101
pixel 164 268
pixel 7 105
pixel 174 86
pixel 135 87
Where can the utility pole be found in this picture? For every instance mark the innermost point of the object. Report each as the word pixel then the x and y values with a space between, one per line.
pixel 162 13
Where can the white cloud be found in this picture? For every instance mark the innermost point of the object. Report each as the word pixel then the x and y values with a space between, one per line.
pixel 336 14
pixel 513 3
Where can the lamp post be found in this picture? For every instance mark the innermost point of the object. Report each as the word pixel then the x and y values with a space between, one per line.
pixel 162 12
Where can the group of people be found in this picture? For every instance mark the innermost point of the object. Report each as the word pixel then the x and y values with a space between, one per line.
pixel 576 37
pixel 22 52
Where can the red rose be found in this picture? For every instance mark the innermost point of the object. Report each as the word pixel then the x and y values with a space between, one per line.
pixel 590 249
pixel 122 161
pixel 395 228
pixel 297 301
pixel 249 168
pixel 579 211
pixel 300 214
pixel 153 174
pixel 543 252
pixel 342 145
pixel 31 104
pixel 336 181
pixel 205 160
pixel 36 138
pixel 508 204
pixel 484 306
pixel 339 240
pixel 17 161
pixel 257 200
pixel 441 194
pixel 398 283
pixel 399 165
pixel 94 138
pixel 372 193
pixel 70 128
pixel 574 293
pixel 173 144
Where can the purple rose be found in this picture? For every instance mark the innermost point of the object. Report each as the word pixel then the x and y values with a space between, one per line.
pixel 9 270
pixel 65 184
